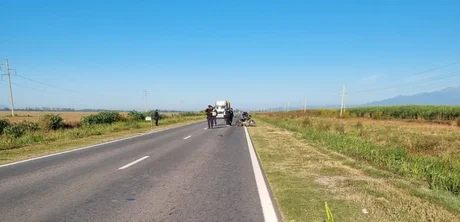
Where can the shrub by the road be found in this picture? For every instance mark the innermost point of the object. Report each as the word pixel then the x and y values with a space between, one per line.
pixel 3 124
pixel 105 117
pixel 137 116
pixel 50 122
pixel 15 131
pixel 29 126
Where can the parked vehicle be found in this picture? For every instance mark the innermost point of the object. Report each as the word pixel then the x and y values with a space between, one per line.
pixel 221 107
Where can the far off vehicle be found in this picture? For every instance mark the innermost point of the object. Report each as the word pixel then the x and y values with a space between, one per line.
pixel 221 108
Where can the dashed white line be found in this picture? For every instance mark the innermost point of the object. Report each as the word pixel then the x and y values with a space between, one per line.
pixel 205 128
pixel 187 137
pixel 268 209
pixel 132 163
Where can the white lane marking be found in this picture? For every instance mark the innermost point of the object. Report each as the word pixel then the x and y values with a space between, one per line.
pixel 268 209
pixel 187 137
pixel 95 145
pixel 132 163
pixel 205 128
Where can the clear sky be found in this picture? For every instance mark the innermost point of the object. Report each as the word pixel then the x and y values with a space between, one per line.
pixel 257 54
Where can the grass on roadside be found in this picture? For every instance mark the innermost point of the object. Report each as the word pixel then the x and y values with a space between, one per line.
pixel 303 178
pixel 41 143
pixel 441 174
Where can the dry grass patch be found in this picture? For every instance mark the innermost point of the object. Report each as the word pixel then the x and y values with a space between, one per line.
pixel 303 177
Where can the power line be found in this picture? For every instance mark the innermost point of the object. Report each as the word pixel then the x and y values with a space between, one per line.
pixel 433 69
pixel 46 84
pixel 417 73
pixel 429 79
pixel 27 87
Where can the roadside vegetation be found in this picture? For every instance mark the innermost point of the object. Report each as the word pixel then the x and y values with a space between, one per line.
pixel 408 149
pixel 448 115
pixel 18 139
pixel 305 172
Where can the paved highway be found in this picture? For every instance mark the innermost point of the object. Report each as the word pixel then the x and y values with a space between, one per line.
pixel 181 174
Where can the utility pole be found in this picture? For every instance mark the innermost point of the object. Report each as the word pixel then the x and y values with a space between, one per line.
pixel 305 105
pixel 145 95
pixel 342 106
pixel 288 106
pixel 11 89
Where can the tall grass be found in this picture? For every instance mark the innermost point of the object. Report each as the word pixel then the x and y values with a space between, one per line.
pixel 439 174
pixel 408 112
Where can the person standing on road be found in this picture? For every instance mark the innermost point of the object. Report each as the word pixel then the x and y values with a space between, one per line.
pixel 227 116
pixel 209 117
pixel 230 115
pixel 156 117
pixel 214 115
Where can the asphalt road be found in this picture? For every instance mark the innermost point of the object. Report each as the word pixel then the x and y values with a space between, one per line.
pixel 181 174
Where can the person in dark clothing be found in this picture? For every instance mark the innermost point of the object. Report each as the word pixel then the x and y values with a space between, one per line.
pixel 156 117
pixel 227 116
pixel 209 111
pixel 230 115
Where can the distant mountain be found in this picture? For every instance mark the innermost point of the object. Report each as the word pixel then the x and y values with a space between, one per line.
pixel 448 96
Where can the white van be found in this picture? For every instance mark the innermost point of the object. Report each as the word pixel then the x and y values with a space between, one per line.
pixel 221 108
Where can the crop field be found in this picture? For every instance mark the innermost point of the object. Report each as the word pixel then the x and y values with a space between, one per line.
pixel 438 114
pixel 408 112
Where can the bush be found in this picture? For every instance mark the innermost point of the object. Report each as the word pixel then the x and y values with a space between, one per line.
pixel 15 130
pixel 3 124
pixel 29 126
pixel 50 122
pixel 106 117
pixel 72 124
pixel 137 116
pixel 149 113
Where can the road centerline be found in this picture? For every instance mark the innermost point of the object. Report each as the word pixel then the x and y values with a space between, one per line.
pixel 187 137
pixel 132 163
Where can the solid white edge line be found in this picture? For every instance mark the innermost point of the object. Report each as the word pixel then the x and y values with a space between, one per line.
pixel 132 163
pixel 187 137
pixel 268 209
pixel 92 146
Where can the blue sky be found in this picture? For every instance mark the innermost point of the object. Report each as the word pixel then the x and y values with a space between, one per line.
pixel 256 54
